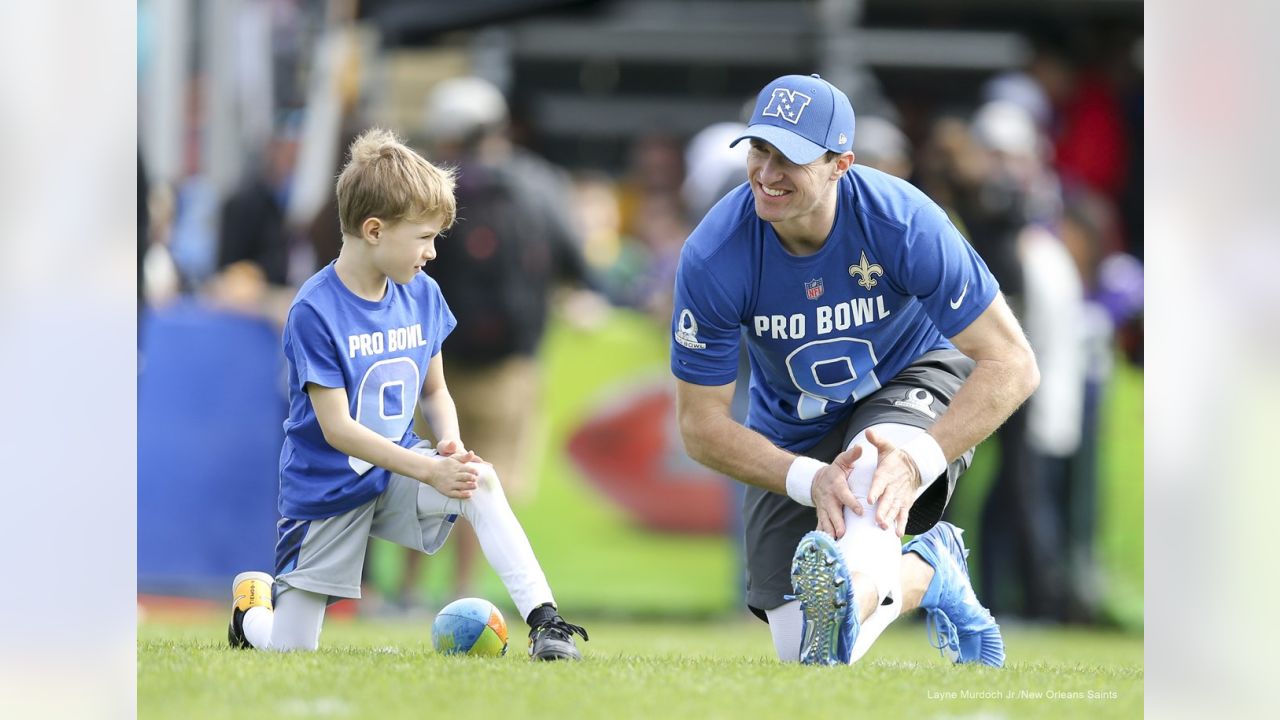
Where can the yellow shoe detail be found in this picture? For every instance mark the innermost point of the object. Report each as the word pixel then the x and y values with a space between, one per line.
pixel 252 592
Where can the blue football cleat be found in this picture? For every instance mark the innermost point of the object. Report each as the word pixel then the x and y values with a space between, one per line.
pixel 956 621
pixel 825 591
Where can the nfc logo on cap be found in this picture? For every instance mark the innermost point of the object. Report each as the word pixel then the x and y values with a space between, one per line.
pixel 786 104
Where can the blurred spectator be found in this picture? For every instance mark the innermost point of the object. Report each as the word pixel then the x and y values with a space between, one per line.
pixel 497 270
pixel 1091 111
pixel 160 280
pixel 1120 290
pixel 1091 146
pixel 714 167
pixel 324 232
pixel 1008 200
pixel 1114 297
pixel 957 172
pixel 661 233
pixel 655 170
pixel 193 244
pixel 597 219
pixel 1055 322
pixel 879 144
pixel 1084 228
pixel 653 213
pixel 638 256
pixel 1042 86
pixel 254 241
pixel 192 240
pixel 252 228
pixel 1022 89
pixel 1019 179
pixel 1097 149
pixel 620 263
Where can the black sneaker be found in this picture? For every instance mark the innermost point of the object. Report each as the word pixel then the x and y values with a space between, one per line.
pixel 235 632
pixel 553 640
pixel 249 589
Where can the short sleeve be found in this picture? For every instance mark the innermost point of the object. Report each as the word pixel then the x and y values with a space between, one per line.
pixel 704 326
pixel 309 346
pixel 941 268
pixel 441 318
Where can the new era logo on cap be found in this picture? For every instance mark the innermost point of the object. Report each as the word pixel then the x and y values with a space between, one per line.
pixel 803 116
pixel 786 104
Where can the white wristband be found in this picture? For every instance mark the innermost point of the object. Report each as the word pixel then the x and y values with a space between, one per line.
pixel 927 454
pixel 800 479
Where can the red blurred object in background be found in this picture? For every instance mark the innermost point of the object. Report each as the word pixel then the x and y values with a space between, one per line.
pixel 631 453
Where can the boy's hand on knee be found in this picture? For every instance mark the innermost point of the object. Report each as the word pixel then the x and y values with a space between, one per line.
pixel 454 449
pixel 451 478
pixel 831 493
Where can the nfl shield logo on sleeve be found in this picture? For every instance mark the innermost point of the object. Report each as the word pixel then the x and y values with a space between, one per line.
pixel 813 289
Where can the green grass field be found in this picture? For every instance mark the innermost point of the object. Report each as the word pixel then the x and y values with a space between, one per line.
pixel 692 656
pixel 720 669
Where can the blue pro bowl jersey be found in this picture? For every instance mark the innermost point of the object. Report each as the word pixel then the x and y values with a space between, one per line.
pixel 378 351
pixel 894 280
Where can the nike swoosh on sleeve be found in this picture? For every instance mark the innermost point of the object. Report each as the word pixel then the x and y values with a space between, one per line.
pixel 955 304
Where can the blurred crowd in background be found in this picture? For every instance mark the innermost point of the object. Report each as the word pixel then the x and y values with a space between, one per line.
pixel 591 137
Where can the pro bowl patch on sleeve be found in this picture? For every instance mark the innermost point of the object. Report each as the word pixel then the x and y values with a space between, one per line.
pixel 687 334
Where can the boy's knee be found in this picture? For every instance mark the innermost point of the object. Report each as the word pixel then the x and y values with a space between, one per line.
pixel 486 471
pixel 488 478
pixel 488 493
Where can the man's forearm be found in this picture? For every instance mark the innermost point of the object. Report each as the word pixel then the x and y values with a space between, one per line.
pixel 993 391
pixel 733 450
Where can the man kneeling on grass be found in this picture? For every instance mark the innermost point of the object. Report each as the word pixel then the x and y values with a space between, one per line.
pixel 881 352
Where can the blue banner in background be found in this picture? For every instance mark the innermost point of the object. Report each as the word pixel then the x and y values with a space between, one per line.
pixel 211 405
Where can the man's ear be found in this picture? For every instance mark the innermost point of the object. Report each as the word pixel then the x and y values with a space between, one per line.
pixel 843 163
pixel 372 229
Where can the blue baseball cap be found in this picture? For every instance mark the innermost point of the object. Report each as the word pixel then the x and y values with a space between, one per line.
pixel 803 116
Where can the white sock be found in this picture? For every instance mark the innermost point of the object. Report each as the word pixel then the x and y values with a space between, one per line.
pixel 504 544
pixel 293 625
pixel 256 624
pixel 873 626
pixel 785 624
pixel 869 549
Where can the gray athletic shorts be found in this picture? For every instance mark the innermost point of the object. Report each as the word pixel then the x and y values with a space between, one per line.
pixel 327 556
pixel 773 524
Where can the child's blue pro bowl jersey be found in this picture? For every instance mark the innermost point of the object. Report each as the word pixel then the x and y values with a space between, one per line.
pixel 894 280
pixel 378 351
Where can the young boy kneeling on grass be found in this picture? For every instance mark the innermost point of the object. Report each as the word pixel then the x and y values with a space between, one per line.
pixel 363 336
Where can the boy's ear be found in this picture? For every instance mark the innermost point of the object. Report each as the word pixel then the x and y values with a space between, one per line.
pixel 372 229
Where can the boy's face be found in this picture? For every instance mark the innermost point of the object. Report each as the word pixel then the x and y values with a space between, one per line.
pixel 403 248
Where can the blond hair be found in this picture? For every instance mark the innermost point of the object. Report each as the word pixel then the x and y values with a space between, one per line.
pixel 387 180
